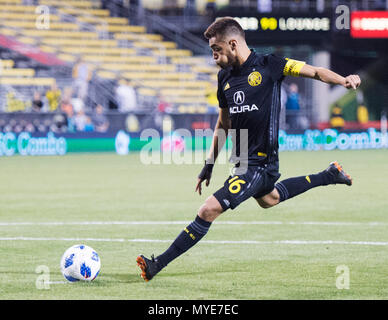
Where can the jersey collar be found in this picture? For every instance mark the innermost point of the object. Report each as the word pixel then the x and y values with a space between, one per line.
pixel 246 63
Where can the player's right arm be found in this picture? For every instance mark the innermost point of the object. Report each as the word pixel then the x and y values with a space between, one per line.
pixel 219 138
pixel 220 133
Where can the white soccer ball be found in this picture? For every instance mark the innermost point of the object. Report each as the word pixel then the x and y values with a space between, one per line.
pixel 80 262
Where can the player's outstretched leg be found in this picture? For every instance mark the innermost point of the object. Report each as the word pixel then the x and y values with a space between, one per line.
pixel 190 235
pixel 292 187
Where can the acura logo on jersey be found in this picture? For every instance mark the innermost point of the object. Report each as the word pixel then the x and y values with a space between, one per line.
pixel 240 109
pixel 239 97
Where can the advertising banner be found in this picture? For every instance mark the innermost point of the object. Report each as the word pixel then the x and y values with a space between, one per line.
pixel 369 24
pixel 177 141
pixel 288 27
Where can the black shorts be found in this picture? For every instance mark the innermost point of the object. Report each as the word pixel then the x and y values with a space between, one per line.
pixel 256 182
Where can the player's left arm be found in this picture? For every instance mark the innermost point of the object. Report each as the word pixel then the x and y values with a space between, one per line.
pixel 301 69
pixel 328 76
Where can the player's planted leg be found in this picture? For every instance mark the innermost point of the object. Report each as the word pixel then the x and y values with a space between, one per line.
pixel 190 235
pixel 149 267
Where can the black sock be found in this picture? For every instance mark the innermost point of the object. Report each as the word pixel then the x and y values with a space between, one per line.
pixel 194 232
pixel 292 187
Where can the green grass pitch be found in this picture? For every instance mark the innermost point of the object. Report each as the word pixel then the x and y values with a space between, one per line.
pixel 47 204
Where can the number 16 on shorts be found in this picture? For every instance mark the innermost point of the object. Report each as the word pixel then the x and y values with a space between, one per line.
pixel 235 184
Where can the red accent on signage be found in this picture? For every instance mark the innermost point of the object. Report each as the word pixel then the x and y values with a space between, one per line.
pixel 369 24
pixel 200 125
pixel 30 51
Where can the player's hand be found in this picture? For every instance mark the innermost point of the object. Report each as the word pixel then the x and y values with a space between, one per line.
pixel 205 174
pixel 352 81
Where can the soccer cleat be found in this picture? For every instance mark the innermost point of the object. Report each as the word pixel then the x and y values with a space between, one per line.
pixel 338 174
pixel 149 267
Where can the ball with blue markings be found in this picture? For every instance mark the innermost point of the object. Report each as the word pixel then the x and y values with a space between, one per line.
pixel 80 262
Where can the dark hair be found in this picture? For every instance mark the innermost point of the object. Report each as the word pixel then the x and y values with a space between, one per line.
pixel 222 27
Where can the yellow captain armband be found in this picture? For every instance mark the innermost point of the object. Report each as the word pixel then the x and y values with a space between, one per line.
pixel 292 67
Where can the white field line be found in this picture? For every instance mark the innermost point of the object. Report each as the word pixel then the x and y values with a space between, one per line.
pixel 57 282
pixel 254 242
pixel 83 223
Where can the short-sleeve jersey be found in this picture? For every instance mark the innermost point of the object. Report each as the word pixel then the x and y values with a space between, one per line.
pixel 251 92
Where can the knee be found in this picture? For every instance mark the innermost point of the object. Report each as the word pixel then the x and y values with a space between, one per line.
pixel 210 210
pixel 269 201
pixel 265 204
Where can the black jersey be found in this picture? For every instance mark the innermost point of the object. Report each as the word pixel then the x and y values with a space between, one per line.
pixel 252 95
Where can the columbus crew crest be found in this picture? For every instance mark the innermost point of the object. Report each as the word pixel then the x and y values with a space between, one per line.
pixel 254 79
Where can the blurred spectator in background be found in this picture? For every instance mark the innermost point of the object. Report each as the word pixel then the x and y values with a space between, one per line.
pixel 39 126
pixel 362 114
pixel 37 103
pixel 292 106
pixel 66 105
pixel 29 127
pixel 53 97
pixel 89 126
pixel 163 105
pixel 59 123
pixel 78 105
pixel 100 121
pixel 126 96
pixel 9 126
pixel 82 73
pixel 337 120
pixel 82 122
pixel 19 126
pixel 13 103
pixel 67 108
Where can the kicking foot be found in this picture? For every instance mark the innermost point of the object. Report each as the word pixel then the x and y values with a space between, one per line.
pixel 338 174
pixel 149 267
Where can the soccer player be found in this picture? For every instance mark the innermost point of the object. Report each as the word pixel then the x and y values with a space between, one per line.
pixel 249 99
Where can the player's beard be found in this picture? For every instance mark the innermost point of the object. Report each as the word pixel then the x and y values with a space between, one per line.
pixel 222 65
pixel 231 61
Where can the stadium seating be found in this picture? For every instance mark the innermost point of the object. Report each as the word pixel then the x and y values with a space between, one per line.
pixel 6 64
pixel 21 76
pixel 11 1
pixel 15 81
pixel 136 37
pixel 115 48
pixel 20 72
